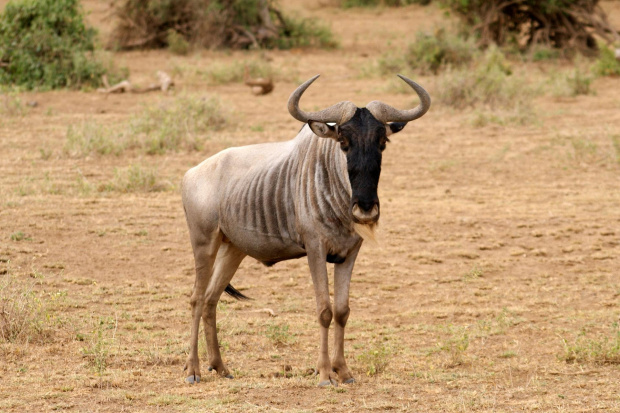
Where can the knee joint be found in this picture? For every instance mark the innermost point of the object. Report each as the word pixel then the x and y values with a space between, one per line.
pixel 325 317
pixel 342 315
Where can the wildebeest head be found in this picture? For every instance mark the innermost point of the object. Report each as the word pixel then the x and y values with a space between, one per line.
pixel 363 134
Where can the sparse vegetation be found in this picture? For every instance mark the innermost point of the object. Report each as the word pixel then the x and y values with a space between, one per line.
pixel 615 142
pixel 11 105
pixel 136 178
pixel 23 312
pixel 572 83
pixel 429 54
pixel 541 53
pixel 600 349
pixel 19 236
pixel 456 346
pixel 375 358
pixel 179 125
pixel 92 138
pixel 607 64
pixel 223 73
pixel 490 84
pixel 46 44
pixel 98 344
pixel 280 335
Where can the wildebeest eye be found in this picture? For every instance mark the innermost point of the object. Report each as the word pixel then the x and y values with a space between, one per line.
pixel 344 143
pixel 382 143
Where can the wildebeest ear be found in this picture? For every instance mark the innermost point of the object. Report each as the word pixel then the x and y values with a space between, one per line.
pixel 394 127
pixel 323 130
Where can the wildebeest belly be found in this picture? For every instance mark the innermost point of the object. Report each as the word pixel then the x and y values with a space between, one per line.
pixel 266 248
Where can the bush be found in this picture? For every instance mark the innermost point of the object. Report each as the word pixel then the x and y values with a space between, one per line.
pixel 45 43
pixel 429 53
pixel 214 23
pixel 561 24
pixel 177 43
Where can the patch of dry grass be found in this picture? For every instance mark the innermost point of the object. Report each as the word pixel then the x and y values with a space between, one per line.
pixel 23 311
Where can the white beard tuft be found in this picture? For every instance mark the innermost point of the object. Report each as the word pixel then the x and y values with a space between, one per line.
pixel 366 231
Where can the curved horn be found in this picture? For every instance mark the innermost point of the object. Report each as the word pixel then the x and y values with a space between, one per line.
pixel 338 113
pixel 386 113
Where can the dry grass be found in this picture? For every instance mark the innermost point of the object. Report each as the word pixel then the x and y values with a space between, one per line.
pixel 183 124
pixel 23 311
pixel 495 245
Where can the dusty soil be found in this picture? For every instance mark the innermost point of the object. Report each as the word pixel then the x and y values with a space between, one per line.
pixel 498 248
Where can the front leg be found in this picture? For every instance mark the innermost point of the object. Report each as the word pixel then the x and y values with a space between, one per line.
pixel 342 280
pixel 318 268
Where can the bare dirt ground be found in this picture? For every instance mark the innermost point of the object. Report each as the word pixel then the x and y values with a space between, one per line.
pixel 499 249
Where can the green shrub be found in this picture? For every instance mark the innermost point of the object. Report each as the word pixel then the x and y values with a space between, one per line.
pixel 46 44
pixel 607 64
pixel 177 43
pixel 431 52
pixel 302 32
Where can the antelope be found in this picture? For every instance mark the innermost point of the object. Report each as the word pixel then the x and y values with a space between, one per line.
pixel 314 196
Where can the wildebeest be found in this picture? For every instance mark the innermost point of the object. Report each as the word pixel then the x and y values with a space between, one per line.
pixel 314 196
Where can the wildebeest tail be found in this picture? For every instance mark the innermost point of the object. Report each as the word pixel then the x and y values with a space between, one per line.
pixel 236 294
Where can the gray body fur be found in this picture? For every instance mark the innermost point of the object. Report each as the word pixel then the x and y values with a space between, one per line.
pixel 271 200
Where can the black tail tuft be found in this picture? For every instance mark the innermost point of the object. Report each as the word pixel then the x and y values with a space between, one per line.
pixel 234 293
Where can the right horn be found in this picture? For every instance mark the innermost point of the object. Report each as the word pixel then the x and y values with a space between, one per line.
pixel 386 113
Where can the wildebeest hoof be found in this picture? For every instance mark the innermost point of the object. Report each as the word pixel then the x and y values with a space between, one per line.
pixel 229 376
pixel 329 382
pixel 349 381
pixel 192 379
pixel 210 368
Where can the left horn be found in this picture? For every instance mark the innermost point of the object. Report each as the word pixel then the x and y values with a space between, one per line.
pixel 386 113
pixel 338 113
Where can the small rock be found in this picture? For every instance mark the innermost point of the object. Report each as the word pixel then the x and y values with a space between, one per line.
pixel 32 103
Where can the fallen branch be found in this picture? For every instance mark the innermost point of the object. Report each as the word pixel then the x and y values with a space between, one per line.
pixel 266 310
pixel 164 84
pixel 260 86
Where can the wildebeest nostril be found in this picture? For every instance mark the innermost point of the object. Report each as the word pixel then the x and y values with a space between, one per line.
pixel 366 206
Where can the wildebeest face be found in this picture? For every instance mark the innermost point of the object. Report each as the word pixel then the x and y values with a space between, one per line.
pixel 363 139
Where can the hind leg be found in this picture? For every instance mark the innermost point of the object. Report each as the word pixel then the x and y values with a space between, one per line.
pixel 205 248
pixel 228 260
